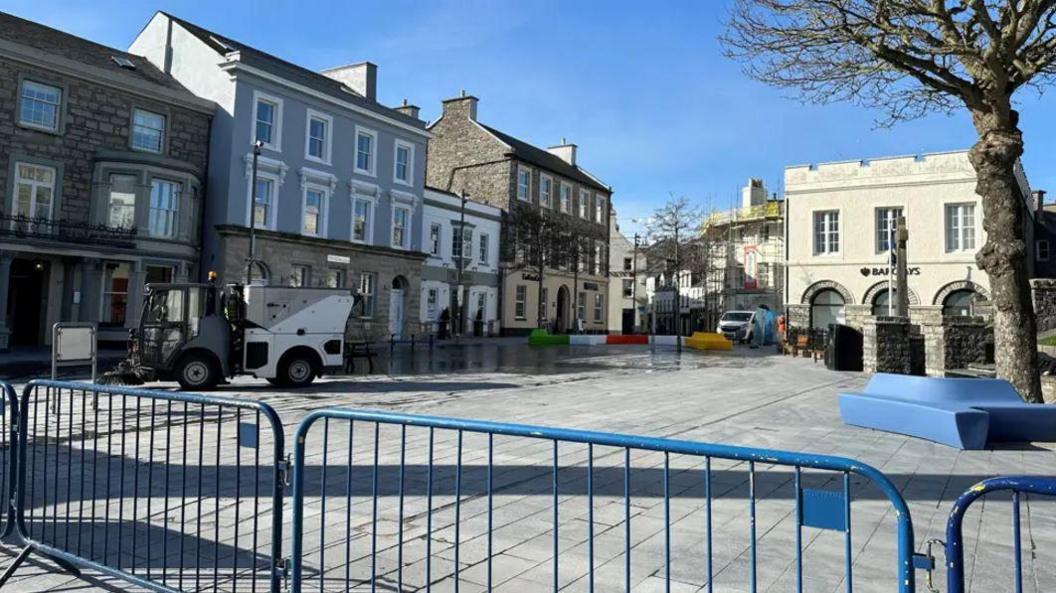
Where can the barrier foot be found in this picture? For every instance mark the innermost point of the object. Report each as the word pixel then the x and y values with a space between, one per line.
pixel 10 570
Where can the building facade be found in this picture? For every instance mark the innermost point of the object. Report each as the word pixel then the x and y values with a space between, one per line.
pixel 628 296
pixel 840 219
pixel 462 241
pixel 493 167
pixel 339 178
pixel 102 161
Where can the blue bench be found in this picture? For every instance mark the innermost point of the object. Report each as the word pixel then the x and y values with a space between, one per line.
pixel 962 413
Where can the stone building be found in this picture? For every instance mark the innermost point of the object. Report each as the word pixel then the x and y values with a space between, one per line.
pixel 475 250
pixel 102 161
pixel 490 166
pixel 840 218
pixel 339 178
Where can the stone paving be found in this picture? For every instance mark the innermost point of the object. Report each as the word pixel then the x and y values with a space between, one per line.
pixel 745 398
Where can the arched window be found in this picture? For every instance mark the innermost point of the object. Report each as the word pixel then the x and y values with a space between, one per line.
pixel 826 307
pixel 882 300
pixel 958 303
pixel 261 274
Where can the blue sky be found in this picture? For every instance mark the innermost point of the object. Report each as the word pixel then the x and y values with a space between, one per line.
pixel 642 88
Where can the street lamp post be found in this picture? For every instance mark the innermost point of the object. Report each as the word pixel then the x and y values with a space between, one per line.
pixel 461 264
pixel 252 258
pixel 634 282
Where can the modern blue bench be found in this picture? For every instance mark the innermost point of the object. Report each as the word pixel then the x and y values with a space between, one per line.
pixel 962 413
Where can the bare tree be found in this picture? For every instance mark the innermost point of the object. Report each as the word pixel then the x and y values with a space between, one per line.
pixel 913 57
pixel 673 229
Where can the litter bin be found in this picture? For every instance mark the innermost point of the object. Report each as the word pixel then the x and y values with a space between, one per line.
pixel 843 348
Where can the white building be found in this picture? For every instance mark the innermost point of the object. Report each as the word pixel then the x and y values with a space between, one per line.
pixel 839 221
pixel 479 252
pixel 625 316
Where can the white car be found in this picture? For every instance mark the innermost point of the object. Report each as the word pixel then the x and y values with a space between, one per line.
pixel 736 325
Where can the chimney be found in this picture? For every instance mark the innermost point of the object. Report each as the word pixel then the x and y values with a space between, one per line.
pixel 753 194
pixel 408 109
pixel 1039 200
pixel 464 106
pixel 564 151
pixel 361 77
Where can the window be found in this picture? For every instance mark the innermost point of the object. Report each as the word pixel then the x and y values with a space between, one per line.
pixel 121 206
pixel 581 306
pixel 597 259
pixel 159 274
pixel 543 306
pixel 628 288
pixel 318 142
pixel 115 293
pixel 362 210
pixel 401 218
pixel 520 302
pixel 524 184
pixel 403 163
pixel 267 117
pixel 959 303
pixel 960 227
pixel 434 238
pixel 566 197
pixel 483 255
pixel 335 278
pixel 627 264
pixel 584 198
pixel 432 297
pixel 1042 250
pixel 826 307
pixel 367 283
pixel 462 249
pixel 599 208
pixel 163 218
pixel 34 190
pixel 148 130
pixel 300 276
pixel 366 140
pixel 882 303
pixel 262 210
pixel 40 105
pixel 886 224
pixel 599 304
pixel 546 190
pixel 826 232
pixel 313 219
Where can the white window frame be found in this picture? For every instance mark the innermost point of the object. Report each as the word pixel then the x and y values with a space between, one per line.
pixel 276 128
pixel 328 141
pixel 303 274
pixel 545 181
pixel 164 131
pixel 485 248
pixel 410 162
pixel 273 201
pixel 372 171
pixel 886 210
pixel 528 189
pixel 34 184
pixel 110 198
pixel 368 238
pixel 599 307
pixel 1037 249
pixel 370 297
pixel 58 106
pixel 436 239
pixel 961 235
pixel 826 249
pixel 566 205
pixel 406 244
pixel 324 207
pixel 178 191
pixel 520 300
pixel 584 204
pixel 599 209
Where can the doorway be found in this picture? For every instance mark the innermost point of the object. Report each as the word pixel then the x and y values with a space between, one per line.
pixel 562 309
pixel 628 321
pixel 27 300
pixel 396 307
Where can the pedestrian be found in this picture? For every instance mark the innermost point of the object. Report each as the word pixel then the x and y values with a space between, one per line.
pixel 445 319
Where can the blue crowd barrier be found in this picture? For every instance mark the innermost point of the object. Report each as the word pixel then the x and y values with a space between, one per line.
pixel 1019 486
pixel 129 483
pixel 348 555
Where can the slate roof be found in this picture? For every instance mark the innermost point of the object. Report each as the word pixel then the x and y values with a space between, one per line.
pixel 261 60
pixel 71 47
pixel 542 158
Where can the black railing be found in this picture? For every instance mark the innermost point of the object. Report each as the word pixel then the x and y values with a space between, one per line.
pixel 17 225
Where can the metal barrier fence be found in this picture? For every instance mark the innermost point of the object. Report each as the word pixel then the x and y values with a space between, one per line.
pixel 402 502
pixel 8 461
pixel 1019 486
pixel 168 491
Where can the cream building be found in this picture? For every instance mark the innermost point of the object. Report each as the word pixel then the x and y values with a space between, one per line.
pixel 625 315
pixel 839 220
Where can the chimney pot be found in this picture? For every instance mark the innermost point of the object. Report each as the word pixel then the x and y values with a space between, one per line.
pixel 361 77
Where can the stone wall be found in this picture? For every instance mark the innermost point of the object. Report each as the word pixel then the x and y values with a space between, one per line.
pixel 1044 295
pixel 856 315
pixel 886 345
pixel 954 343
pixel 797 316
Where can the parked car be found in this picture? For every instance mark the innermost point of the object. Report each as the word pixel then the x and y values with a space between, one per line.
pixel 736 325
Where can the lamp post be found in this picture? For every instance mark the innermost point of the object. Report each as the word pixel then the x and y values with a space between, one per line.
pixel 634 282
pixel 460 263
pixel 252 259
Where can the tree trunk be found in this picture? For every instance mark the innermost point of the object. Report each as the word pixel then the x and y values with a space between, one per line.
pixel 1004 256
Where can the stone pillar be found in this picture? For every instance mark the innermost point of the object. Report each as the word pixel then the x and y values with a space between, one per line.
pixel 886 345
pixel 856 315
pixel 1043 292
pixel 929 318
pixel 797 316
pixel 137 279
pixel 6 257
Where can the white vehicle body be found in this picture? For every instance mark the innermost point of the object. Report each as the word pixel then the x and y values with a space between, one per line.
pixel 737 325
pixel 284 319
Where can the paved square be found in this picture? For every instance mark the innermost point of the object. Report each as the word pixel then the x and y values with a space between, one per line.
pixel 744 398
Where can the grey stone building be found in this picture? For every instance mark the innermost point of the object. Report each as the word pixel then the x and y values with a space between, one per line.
pixel 495 168
pixel 339 180
pixel 102 164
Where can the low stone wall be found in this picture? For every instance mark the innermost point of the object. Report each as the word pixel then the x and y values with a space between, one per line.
pixel 886 345
pixel 954 343
pixel 1043 292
